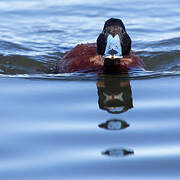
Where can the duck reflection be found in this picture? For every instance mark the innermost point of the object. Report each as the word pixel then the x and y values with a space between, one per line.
pixel 115 95
pixel 118 152
pixel 114 124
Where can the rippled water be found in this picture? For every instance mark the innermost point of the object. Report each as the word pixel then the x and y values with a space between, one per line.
pixel 34 35
pixel 77 126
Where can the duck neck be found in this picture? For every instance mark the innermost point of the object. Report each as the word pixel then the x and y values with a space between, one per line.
pixel 112 66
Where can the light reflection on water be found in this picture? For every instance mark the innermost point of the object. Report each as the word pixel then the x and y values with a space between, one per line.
pixel 158 151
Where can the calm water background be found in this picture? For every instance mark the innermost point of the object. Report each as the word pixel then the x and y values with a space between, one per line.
pixel 62 126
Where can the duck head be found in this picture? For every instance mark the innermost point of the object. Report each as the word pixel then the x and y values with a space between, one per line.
pixel 113 42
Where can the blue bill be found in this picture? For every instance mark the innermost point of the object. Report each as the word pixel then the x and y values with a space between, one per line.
pixel 113 48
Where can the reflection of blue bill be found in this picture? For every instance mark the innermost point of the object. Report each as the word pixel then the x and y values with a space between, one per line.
pixel 118 152
pixel 114 124
pixel 113 47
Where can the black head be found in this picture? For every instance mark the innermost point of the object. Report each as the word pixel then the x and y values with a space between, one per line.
pixel 114 39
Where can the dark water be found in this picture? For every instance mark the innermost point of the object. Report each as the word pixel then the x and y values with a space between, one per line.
pixel 84 127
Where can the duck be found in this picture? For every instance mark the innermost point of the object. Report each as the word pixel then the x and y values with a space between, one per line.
pixel 110 54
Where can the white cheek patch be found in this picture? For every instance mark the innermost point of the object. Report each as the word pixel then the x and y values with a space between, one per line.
pixel 113 43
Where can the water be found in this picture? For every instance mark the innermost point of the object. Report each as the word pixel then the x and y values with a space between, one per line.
pixel 77 126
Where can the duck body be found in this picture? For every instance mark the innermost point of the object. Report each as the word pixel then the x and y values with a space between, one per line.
pixel 110 54
pixel 84 59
